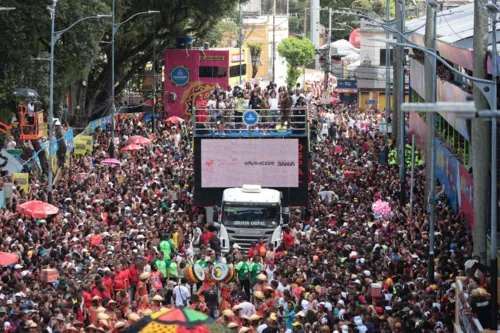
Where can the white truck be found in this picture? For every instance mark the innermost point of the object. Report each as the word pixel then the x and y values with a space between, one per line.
pixel 248 214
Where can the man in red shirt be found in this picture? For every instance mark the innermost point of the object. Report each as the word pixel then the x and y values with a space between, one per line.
pixel 287 239
pixel 122 279
pixel 134 277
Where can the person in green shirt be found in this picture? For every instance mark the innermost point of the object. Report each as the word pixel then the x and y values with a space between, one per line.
pixel 173 273
pixel 166 246
pixel 161 264
pixel 243 269
pixel 255 268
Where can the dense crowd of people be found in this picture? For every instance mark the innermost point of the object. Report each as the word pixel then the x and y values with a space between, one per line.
pixel 125 236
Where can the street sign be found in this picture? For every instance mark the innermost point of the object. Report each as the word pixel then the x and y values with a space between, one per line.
pixel 370 102
pixel 250 118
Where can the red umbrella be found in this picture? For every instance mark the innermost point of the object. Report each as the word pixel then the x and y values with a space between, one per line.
pixel 139 140
pixel 174 120
pixel 7 258
pixel 131 147
pixel 37 209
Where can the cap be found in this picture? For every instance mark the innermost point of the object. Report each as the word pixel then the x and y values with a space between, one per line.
pixel 236 246
pixel 158 298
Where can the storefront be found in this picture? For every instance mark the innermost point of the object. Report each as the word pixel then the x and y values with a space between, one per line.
pixel 347 91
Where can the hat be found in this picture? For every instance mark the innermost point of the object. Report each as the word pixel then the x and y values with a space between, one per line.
pixel 228 313
pixel 91 326
pixel 110 302
pixel 9 302
pixel 232 325
pixel 147 312
pixel 244 329
pixel 134 316
pixel 296 324
pixel 31 324
pixel 103 316
pixel 269 288
pixel 388 308
pixel 245 317
pixel 262 277
pixel 100 309
pixel 255 317
pixel 144 275
pixel 96 298
pixel 236 246
pixel 3 309
pixel 300 314
pixel 273 316
pixel 236 308
pixel 120 324
pixel 158 298
pixel 341 302
pixel 259 294
pixel 60 317
pixel 17 266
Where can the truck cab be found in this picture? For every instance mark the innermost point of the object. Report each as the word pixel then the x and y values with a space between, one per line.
pixel 248 214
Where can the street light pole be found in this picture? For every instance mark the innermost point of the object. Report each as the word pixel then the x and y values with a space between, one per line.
pixel 274 41
pixel 115 27
pixel 387 82
pixel 154 79
pixel 328 62
pixel 54 36
pixel 241 40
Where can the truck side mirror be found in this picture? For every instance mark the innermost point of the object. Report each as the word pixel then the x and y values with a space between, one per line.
pixel 215 215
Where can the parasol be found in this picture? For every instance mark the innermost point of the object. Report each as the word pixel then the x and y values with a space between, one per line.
pixel 131 147
pixel 25 92
pixel 174 120
pixel 7 258
pixel 111 161
pixel 37 209
pixel 177 321
pixel 139 140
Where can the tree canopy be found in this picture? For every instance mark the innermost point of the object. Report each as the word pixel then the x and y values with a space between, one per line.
pixel 297 52
pixel 82 55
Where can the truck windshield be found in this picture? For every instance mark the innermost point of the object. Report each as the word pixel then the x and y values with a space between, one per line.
pixel 251 217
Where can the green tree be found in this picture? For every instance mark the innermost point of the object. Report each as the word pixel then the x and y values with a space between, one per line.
pixel 297 52
pixel 255 51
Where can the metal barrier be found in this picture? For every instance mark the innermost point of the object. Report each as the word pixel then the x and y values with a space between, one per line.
pixel 229 122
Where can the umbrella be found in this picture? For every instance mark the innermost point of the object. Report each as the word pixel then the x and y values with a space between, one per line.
pixel 174 120
pixel 131 147
pixel 111 161
pixel 139 140
pixel 25 92
pixel 177 321
pixel 37 209
pixel 7 258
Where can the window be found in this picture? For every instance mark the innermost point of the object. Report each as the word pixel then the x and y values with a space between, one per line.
pixel 382 57
pixel 234 71
pixel 213 71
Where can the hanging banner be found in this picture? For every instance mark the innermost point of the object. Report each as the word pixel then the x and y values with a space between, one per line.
pixel 22 181
pixel 83 144
pixel 467 196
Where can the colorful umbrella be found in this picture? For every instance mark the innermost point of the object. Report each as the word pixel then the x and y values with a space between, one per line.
pixel 111 161
pixel 174 120
pixel 37 209
pixel 177 321
pixel 131 147
pixel 139 140
pixel 7 258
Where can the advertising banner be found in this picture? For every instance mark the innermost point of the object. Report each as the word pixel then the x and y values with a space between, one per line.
pixel 101 122
pixel 235 162
pixel 417 127
pixel 446 172
pixel 83 144
pixel 467 195
pixel 276 163
pixel 22 181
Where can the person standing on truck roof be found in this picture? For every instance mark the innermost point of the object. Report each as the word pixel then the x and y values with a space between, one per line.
pixel 243 269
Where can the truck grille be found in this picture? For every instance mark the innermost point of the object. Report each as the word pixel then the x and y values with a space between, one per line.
pixel 246 240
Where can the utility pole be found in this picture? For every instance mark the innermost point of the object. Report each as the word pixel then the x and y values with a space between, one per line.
pixel 396 85
pixel 328 62
pixel 387 81
pixel 481 134
pixel 430 97
pixel 274 41
pixel 494 173
pixel 305 36
pixel 401 123
pixel 154 78
pixel 51 107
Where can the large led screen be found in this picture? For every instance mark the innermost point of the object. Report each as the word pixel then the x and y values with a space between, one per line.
pixel 235 162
